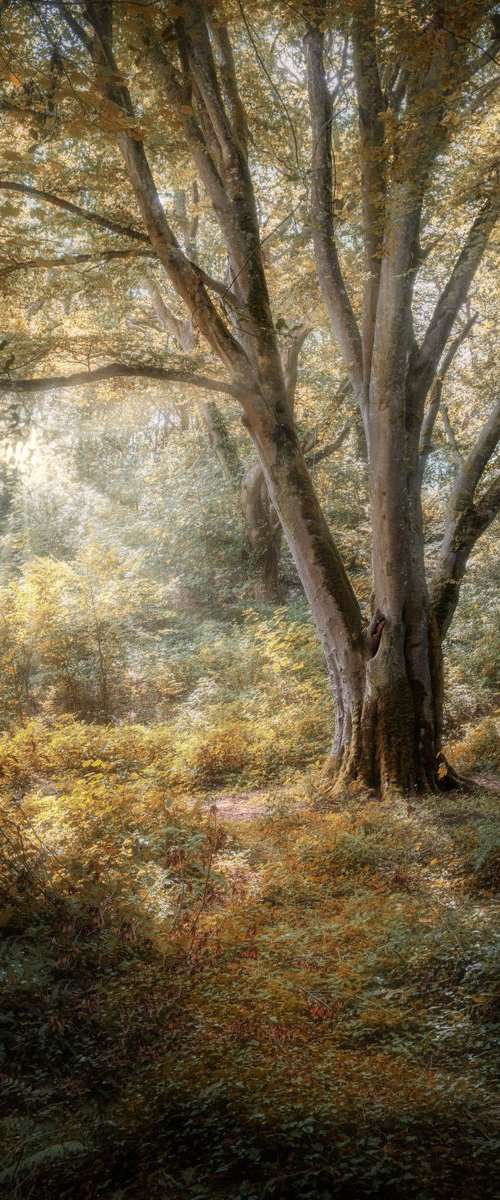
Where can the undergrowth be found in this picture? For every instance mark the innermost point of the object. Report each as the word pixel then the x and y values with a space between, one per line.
pixel 300 1005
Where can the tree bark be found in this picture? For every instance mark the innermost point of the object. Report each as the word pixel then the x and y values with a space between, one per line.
pixel 387 678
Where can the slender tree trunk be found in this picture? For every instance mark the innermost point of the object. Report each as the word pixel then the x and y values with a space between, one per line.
pixel 221 441
pixel 261 524
pixel 264 534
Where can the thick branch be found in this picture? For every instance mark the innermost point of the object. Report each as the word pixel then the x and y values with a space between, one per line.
pixel 259 339
pixel 454 294
pixel 71 260
pixel 329 270
pixel 123 371
pixel 202 157
pixel 184 275
pixel 373 187
pixel 437 393
pixel 234 103
pixel 84 214
pixel 466 520
pixel 420 137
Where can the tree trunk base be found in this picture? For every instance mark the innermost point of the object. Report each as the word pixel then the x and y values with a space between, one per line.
pixel 344 779
pixel 341 784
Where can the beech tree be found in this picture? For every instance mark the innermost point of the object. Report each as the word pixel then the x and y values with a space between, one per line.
pixel 413 75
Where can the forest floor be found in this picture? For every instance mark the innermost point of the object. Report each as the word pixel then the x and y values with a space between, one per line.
pixel 236 996
pixel 242 806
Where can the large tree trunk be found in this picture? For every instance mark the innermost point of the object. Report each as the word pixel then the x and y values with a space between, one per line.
pixel 393 742
pixel 386 679
pixel 390 741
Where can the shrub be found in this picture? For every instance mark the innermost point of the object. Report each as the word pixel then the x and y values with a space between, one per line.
pixel 480 748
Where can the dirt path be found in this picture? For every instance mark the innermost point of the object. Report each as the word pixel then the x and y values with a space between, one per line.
pixel 487 782
pixel 241 806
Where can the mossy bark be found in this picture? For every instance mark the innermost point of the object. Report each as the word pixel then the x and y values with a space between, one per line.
pixel 390 743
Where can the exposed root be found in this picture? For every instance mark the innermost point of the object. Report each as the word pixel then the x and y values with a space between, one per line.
pixel 340 783
pixel 449 779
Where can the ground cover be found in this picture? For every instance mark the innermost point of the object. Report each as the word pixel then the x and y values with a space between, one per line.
pixel 231 994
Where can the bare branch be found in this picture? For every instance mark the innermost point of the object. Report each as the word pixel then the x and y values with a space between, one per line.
pixel 450 434
pixel 290 359
pixel 313 457
pixel 74 25
pixel 181 331
pixel 85 214
pixel 487 56
pixel 276 91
